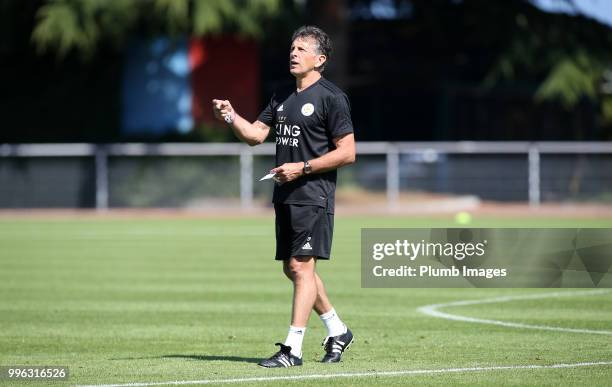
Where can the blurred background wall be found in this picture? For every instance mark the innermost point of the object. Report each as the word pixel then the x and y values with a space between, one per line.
pixel 87 71
pixel 120 71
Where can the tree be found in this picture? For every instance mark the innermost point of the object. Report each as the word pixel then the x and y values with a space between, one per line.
pixel 571 57
pixel 567 57
pixel 81 25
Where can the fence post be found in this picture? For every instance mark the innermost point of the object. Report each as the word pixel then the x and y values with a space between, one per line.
pixel 101 161
pixel 393 176
pixel 534 176
pixel 246 177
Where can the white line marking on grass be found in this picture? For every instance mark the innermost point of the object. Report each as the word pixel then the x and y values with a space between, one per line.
pixel 357 374
pixel 433 310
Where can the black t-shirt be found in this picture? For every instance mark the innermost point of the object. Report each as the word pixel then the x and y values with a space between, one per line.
pixel 305 124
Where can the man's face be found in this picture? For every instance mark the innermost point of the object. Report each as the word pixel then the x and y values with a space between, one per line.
pixel 303 56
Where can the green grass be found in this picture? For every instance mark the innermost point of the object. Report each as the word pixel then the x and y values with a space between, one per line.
pixel 122 301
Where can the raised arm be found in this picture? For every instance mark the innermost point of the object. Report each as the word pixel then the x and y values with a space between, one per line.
pixel 252 133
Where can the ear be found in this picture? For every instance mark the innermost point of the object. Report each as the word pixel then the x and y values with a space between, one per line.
pixel 320 60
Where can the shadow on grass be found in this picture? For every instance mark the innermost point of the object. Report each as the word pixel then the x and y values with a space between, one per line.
pixel 239 359
pixel 197 357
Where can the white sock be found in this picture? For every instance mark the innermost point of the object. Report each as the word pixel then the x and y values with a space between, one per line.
pixel 332 322
pixel 294 340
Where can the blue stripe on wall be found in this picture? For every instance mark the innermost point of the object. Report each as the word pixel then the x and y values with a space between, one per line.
pixel 156 90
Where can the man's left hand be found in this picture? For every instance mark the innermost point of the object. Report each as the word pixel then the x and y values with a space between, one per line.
pixel 288 172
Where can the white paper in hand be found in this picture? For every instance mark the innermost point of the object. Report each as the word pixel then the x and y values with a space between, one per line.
pixel 268 177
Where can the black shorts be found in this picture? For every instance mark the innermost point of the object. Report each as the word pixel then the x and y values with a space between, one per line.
pixel 303 230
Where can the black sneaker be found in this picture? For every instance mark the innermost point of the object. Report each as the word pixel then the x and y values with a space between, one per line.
pixel 281 359
pixel 336 345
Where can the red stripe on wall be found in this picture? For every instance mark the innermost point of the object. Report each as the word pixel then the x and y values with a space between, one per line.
pixel 224 68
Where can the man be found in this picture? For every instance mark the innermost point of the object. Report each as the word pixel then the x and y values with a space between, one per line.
pixel 314 137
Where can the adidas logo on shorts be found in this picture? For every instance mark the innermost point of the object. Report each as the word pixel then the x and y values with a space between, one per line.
pixel 307 246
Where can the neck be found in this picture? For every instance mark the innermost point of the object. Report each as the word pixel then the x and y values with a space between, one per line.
pixel 306 80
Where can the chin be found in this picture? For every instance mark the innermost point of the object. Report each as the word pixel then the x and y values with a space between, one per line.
pixel 296 73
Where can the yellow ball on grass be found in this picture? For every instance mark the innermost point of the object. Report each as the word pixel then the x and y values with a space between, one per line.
pixel 463 218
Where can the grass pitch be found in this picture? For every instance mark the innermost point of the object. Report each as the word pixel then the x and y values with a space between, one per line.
pixel 128 301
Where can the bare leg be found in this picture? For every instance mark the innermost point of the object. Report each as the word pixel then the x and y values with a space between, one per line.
pixel 322 304
pixel 302 271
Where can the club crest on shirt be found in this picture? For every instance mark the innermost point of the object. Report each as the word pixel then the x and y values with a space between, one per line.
pixel 307 109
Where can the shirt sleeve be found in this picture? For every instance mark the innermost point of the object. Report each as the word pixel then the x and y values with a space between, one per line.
pixel 339 116
pixel 267 115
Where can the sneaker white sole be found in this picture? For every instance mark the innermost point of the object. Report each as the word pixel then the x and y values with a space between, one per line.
pixel 349 344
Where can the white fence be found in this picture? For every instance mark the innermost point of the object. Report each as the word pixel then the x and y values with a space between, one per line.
pixel 391 150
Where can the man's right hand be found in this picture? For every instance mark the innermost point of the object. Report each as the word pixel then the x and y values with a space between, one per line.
pixel 223 110
pixel 251 133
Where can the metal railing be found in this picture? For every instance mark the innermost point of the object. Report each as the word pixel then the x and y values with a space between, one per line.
pixel 391 150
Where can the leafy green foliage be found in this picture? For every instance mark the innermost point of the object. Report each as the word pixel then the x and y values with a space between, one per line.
pixel 606 110
pixel 564 55
pixel 243 16
pixel 64 25
pixel 570 80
